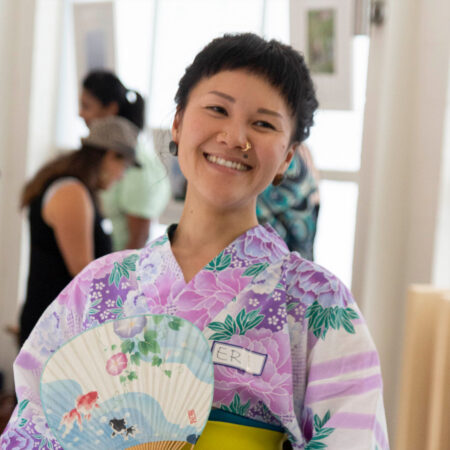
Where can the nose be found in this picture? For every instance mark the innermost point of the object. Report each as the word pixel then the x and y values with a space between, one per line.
pixel 233 136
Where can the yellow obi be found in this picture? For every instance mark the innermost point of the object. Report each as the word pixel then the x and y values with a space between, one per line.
pixel 231 436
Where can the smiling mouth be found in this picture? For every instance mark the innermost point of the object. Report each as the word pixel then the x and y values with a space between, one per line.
pixel 230 164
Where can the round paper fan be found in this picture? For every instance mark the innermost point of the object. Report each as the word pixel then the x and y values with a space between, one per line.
pixel 144 382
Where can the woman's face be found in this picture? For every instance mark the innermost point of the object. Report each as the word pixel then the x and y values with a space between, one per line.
pixel 92 108
pixel 223 113
pixel 112 169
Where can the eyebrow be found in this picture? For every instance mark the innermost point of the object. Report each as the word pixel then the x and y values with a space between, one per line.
pixel 268 111
pixel 225 96
pixel 233 100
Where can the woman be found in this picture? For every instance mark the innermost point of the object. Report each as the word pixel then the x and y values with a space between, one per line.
pixel 292 355
pixel 143 193
pixel 65 223
pixel 292 207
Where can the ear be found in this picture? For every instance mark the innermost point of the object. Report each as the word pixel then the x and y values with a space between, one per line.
pixel 112 108
pixel 288 158
pixel 176 126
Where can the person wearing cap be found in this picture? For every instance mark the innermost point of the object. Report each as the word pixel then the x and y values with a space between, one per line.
pixel 135 203
pixel 65 222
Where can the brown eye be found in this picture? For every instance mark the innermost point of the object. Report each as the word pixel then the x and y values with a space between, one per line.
pixel 264 124
pixel 217 109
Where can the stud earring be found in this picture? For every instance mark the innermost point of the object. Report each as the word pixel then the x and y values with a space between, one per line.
pixel 173 148
pixel 278 179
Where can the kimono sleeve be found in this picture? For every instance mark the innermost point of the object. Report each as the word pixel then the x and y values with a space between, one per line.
pixel 63 319
pixel 342 405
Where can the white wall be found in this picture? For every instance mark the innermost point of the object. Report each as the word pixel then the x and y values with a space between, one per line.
pixel 29 45
pixel 400 171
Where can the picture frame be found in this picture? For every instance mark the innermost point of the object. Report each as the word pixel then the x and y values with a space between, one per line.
pixel 322 30
pixel 94 34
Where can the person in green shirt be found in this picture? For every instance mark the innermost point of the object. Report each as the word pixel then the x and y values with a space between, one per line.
pixel 143 193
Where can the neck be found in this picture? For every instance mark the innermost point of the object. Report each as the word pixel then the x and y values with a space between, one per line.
pixel 203 227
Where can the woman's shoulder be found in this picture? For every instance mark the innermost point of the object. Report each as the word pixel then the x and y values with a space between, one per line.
pixel 312 282
pixel 65 185
pixel 105 264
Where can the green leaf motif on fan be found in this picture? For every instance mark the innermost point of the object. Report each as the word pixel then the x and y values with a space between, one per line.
pixel 135 358
pixel 123 269
pixel 236 407
pixel 322 319
pixel 255 269
pixel 132 376
pixel 156 361
pixel 175 324
pixel 219 263
pixel 244 322
pixel 127 346
pixel 168 373
pixel 320 433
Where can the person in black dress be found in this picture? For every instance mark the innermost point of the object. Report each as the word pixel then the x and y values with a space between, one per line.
pixel 65 222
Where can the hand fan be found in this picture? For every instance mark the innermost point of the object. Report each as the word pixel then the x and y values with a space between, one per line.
pixel 144 382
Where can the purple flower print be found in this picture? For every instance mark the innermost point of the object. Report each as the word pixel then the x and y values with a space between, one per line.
pixel 312 282
pixel 260 243
pixel 150 267
pixel 17 440
pixel 128 328
pixel 273 387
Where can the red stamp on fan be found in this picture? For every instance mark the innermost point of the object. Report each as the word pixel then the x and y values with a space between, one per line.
pixel 192 416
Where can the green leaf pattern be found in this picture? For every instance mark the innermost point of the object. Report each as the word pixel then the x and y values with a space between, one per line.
pixel 219 263
pixel 243 322
pixel 236 407
pixel 255 269
pixel 160 241
pixel 123 269
pixel 320 432
pixel 322 319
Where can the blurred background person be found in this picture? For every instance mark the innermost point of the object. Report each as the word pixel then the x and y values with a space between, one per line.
pixel 291 204
pixel 143 193
pixel 65 222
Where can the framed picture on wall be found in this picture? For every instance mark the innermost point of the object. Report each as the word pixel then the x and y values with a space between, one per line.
pixel 322 30
pixel 94 37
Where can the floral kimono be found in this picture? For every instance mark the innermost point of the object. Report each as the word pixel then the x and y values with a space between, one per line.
pixel 289 345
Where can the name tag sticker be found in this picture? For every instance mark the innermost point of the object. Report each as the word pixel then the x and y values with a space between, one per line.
pixel 238 357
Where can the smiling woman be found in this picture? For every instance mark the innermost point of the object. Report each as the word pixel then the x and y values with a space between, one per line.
pixel 293 359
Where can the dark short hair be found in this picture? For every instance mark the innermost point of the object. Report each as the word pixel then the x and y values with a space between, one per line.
pixel 282 66
pixel 106 87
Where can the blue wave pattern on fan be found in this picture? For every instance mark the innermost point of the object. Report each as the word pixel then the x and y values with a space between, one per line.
pixel 129 382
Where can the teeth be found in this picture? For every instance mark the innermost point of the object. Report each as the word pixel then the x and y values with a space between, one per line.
pixel 224 162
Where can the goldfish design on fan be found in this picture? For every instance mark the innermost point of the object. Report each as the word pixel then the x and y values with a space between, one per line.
pixel 119 427
pixel 87 402
pixel 69 419
pixel 84 404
